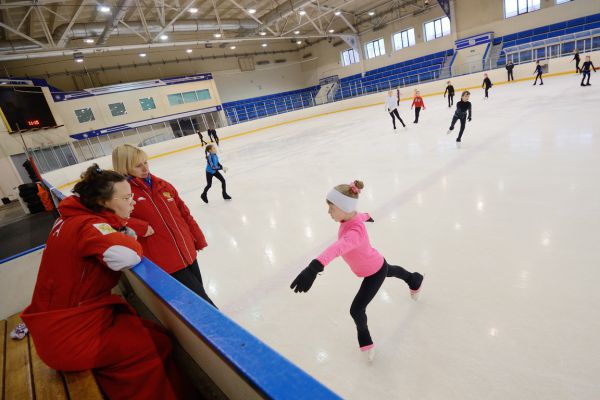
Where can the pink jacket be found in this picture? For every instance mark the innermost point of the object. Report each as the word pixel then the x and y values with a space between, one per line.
pixel 354 247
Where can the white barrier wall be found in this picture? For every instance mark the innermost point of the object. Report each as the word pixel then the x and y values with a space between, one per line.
pixel 17 280
pixel 562 65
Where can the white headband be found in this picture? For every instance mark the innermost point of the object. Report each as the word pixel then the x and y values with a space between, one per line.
pixel 345 203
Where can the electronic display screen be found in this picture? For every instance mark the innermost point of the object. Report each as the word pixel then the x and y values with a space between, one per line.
pixel 25 107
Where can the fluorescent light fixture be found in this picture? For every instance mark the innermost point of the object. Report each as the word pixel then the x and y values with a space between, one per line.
pixel 189 51
pixel 337 13
pixel 252 11
pixel 217 35
pixel 193 10
pixel 90 41
pixel 296 32
pixel 142 54
pixel 299 42
pixel 232 47
pixel 264 45
pixel 331 31
pixel 371 13
pixel 104 9
pixel 302 12
pixel 262 33
pixel 163 37
pixel 78 57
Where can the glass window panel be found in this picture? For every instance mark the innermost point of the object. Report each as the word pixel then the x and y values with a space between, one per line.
pixel 510 8
pixel 189 97
pixel 429 31
pixel 381 46
pixel 438 28
pixel 203 94
pixel 147 103
pixel 445 26
pixel 175 99
pixel 84 115
pixel 411 37
pixel 117 109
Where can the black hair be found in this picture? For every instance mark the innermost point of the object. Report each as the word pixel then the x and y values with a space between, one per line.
pixel 97 185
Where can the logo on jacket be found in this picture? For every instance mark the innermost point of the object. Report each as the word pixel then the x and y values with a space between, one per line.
pixel 104 228
pixel 167 195
pixel 140 199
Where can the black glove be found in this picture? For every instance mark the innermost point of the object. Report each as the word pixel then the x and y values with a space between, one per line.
pixel 305 279
pixel 469 119
pixel 370 219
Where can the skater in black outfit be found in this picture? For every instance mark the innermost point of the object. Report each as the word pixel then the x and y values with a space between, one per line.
pixel 213 166
pixel 450 91
pixel 201 137
pixel 398 96
pixel 509 69
pixel 391 106
pixel 212 134
pixel 462 114
pixel 585 70
pixel 576 59
pixel 487 84
pixel 538 71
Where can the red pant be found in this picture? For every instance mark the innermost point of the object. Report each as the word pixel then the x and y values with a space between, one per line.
pixel 135 362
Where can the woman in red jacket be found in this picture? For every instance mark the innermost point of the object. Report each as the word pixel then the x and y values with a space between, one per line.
pixel 167 231
pixel 74 320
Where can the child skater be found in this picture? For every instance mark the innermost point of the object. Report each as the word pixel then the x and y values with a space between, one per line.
pixel 212 170
pixel 366 262
pixel 201 137
pixel 417 103
pixel 212 134
pixel 585 70
pixel 450 91
pixel 509 70
pixel 538 71
pixel 391 106
pixel 487 84
pixel 463 107
pixel 577 59
pixel 398 96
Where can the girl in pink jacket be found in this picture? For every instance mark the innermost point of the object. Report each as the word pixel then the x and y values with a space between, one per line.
pixel 366 262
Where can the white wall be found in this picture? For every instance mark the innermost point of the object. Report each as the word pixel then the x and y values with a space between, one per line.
pixel 22 270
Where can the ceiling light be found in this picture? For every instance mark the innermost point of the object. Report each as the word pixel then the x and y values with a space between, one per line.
pixel 296 32
pixel 232 47
pixel 88 40
pixel 104 9
pixel 262 33
pixel 302 12
pixel 337 13
pixel 264 45
pixel 252 11
pixel 78 57
pixel 142 54
pixel 193 10
pixel 331 31
pixel 217 35
pixel 163 37
pixel 189 51
pixel 371 13
pixel 299 42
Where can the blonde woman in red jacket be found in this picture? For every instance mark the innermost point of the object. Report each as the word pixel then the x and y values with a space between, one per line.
pixel 167 231
pixel 74 320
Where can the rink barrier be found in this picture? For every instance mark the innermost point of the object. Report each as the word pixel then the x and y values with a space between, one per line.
pixel 241 365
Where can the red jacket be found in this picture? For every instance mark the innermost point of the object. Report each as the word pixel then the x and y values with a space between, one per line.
pixel 176 236
pixel 72 304
pixel 418 102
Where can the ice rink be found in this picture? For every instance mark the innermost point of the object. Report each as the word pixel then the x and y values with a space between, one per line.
pixel 505 230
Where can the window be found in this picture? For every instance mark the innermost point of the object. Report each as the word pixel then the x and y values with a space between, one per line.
pixel 403 39
pixel 562 1
pixel 175 99
pixel 84 115
pixel 203 94
pixel 437 28
pixel 117 109
pixel 349 56
pixel 189 97
pixel 517 7
pixel 375 48
pixel 147 103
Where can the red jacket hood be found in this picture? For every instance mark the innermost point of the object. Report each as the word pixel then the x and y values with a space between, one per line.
pixel 72 207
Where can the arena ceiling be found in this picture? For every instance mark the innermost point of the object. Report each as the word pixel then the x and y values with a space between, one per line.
pixel 56 28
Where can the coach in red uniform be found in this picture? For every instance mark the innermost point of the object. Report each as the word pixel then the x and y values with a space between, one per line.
pixel 74 320
pixel 167 231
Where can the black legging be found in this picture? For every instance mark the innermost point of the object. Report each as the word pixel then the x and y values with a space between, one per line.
pixel 539 75
pixel 486 91
pixel 190 276
pixel 510 75
pixel 417 111
pixel 577 69
pixel 395 112
pixel 586 73
pixel 450 99
pixel 213 135
pixel 368 289
pixel 463 123
pixel 217 175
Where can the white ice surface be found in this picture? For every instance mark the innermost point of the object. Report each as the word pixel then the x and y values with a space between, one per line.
pixel 505 230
